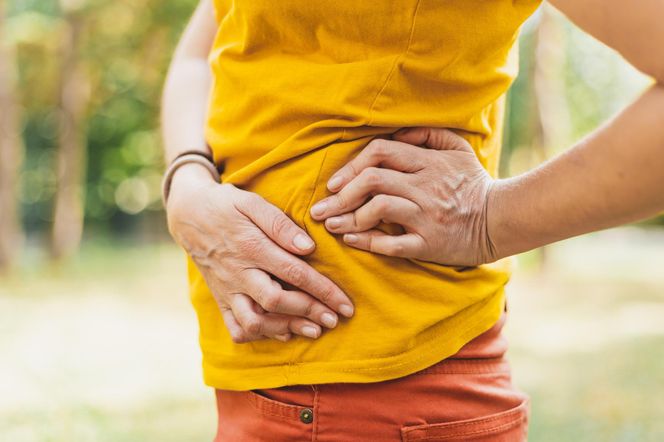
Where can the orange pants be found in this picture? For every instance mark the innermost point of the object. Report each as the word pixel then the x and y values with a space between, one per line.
pixel 467 397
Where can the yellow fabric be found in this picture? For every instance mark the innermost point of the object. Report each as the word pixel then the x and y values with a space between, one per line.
pixel 300 87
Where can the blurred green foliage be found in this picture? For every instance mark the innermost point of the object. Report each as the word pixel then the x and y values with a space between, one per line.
pixel 124 53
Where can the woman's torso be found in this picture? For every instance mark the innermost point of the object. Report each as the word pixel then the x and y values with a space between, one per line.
pixel 299 89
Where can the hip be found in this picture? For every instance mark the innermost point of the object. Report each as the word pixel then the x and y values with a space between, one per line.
pixel 468 395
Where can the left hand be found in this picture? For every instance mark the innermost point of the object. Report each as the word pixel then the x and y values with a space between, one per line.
pixel 438 195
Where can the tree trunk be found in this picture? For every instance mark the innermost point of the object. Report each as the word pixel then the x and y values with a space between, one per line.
pixel 11 155
pixel 71 158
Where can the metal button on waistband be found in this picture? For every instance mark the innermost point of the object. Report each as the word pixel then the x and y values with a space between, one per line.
pixel 307 415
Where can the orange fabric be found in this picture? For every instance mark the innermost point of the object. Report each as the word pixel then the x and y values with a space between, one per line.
pixel 466 397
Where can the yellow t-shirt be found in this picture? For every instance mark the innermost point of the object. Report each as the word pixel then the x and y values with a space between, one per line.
pixel 299 88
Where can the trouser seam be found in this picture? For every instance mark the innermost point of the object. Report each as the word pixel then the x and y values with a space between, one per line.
pixel 314 430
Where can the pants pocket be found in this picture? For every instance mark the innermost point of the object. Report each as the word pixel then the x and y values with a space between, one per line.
pixel 285 402
pixel 506 426
pixel 252 416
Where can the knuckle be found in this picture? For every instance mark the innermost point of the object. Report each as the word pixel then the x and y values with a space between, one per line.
pixel 308 309
pixel 353 168
pixel 464 144
pixel 372 177
pixel 253 326
pixel 296 275
pixel 327 294
pixel 340 201
pixel 272 302
pixel 238 338
pixel 381 203
pixel 280 226
pixel 392 249
pixel 378 148
pixel 261 295
pixel 453 139
pixel 395 249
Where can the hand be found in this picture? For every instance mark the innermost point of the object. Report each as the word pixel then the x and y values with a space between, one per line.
pixel 238 242
pixel 438 195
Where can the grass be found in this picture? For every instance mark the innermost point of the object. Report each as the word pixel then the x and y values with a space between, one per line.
pixel 105 348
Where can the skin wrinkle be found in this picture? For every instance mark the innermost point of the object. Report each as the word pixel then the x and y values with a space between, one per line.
pixel 617 183
pixel 450 191
pixel 240 293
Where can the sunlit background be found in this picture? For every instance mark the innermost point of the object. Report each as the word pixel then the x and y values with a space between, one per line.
pixel 97 339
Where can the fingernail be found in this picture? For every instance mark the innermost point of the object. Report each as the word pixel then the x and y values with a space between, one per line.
pixel 283 338
pixel 319 208
pixel 310 332
pixel 329 320
pixel 302 242
pixel 351 238
pixel 334 182
pixel 346 310
pixel 334 222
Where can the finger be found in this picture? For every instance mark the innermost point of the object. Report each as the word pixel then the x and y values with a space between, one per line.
pixel 255 324
pixel 379 153
pixel 297 325
pixel 433 138
pixel 248 318
pixel 370 181
pixel 301 275
pixel 234 329
pixel 381 208
pixel 276 225
pixel 239 336
pixel 269 294
pixel 409 245
pixel 237 333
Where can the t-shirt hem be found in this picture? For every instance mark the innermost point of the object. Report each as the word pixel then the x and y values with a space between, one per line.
pixel 420 357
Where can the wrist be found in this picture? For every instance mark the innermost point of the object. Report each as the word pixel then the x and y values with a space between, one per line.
pixel 185 158
pixel 514 221
pixel 186 182
pixel 497 224
pixel 191 174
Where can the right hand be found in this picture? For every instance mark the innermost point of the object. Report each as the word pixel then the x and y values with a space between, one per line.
pixel 239 242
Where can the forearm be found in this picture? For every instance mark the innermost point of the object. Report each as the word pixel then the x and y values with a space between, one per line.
pixel 614 176
pixel 183 120
pixel 632 28
pixel 187 87
pixel 185 98
pixel 184 107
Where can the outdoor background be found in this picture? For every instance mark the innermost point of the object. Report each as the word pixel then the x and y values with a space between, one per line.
pixel 97 339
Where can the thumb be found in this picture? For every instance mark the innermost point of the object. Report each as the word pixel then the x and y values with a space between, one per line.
pixel 276 224
pixel 433 138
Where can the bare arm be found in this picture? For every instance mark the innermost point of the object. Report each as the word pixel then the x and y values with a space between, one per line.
pixel 187 87
pixel 634 29
pixel 236 238
pixel 614 176
pixel 453 212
